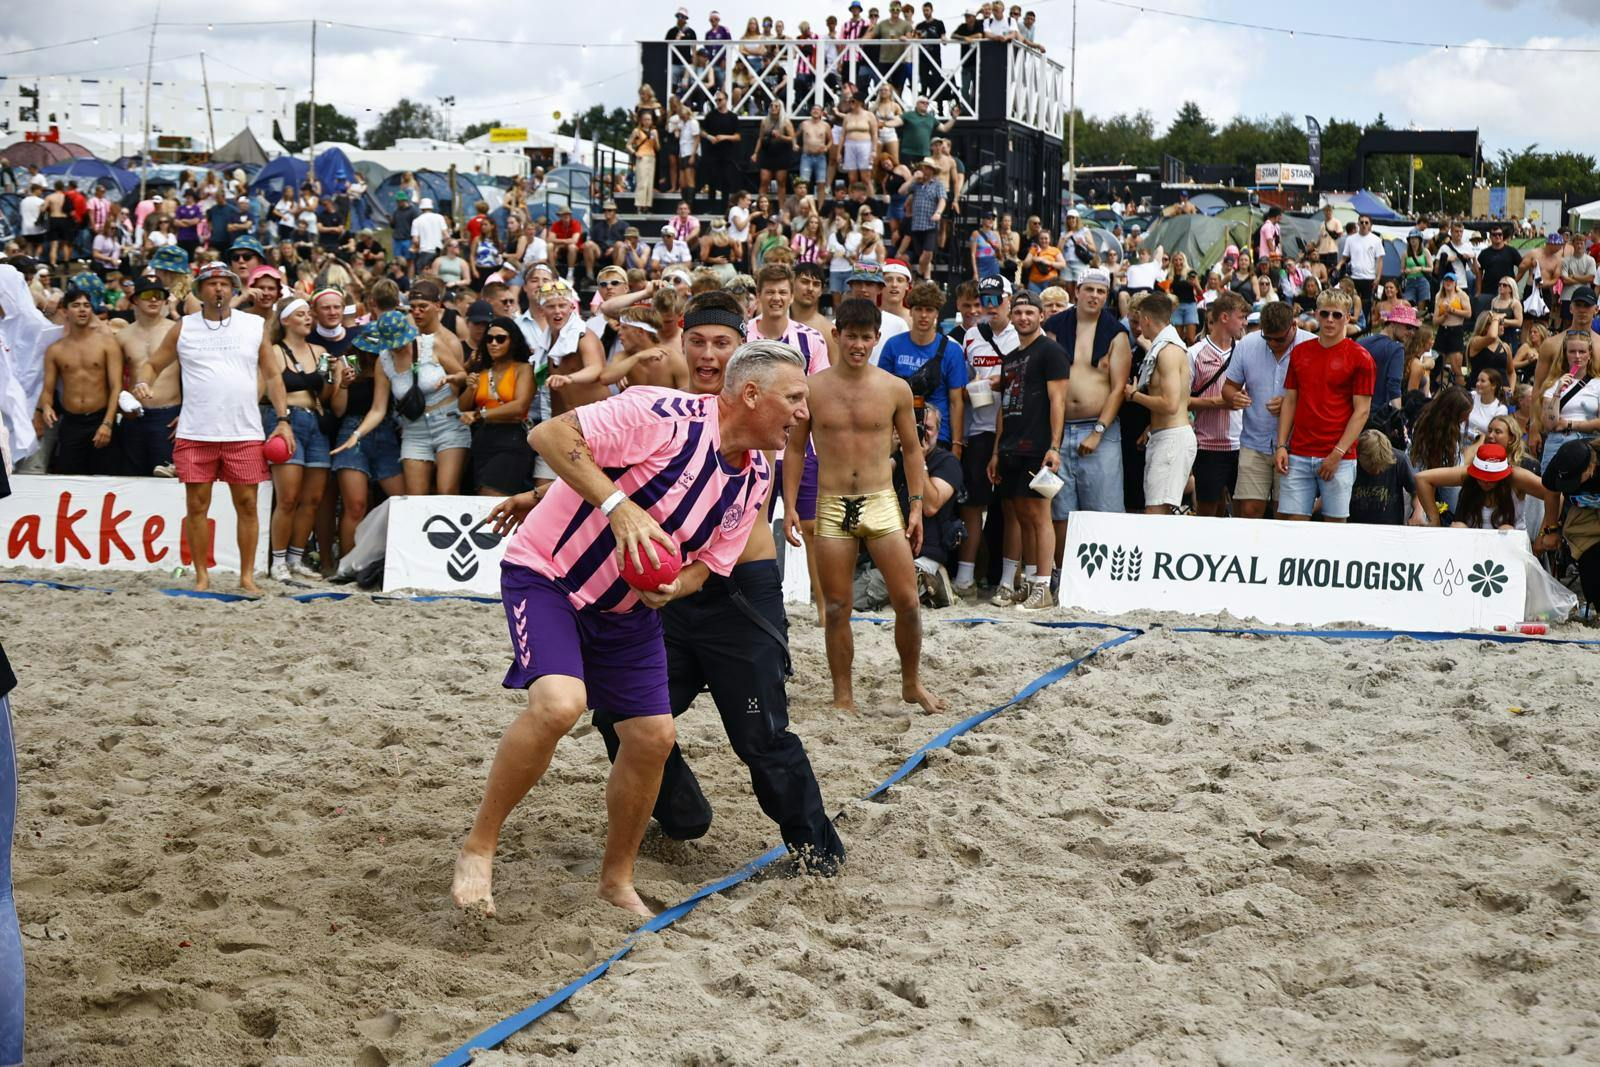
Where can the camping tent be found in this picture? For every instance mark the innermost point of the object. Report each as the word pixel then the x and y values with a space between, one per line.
pixel 244 148
pixel 434 185
pixel 334 172
pixel 1584 212
pixel 283 171
pixel 1208 203
pixel 1375 209
pixel 42 153
pixel 1201 238
pixel 84 173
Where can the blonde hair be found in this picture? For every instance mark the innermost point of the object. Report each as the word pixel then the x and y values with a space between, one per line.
pixel 1336 296
pixel 1374 451
pixel 1054 294
pixel 1517 451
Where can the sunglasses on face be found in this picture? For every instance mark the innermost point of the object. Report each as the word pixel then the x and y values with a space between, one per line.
pixel 1275 339
pixel 1328 313
pixel 610 283
pixel 497 339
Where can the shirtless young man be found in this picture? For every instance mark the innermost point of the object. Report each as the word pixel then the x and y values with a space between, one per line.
pixel 223 355
pixel 774 297
pixel 145 440
pixel 810 282
pixel 816 138
pixel 1546 262
pixel 643 361
pixel 88 364
pixel 1170 451
pixel 860 145
pixel 854 408
pixel 58 226
pixel 1091 450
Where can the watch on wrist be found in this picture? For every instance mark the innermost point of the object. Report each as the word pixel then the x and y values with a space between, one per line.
pixel 1099 427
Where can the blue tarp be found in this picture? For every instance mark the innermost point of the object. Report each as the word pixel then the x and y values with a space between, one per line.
pixel 435 185
pixel 334 172
pixel 1375 209
pixel 285 170
pixel 83 173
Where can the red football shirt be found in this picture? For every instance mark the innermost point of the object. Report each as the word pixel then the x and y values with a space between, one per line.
pixel 566 229
pixel 1326 382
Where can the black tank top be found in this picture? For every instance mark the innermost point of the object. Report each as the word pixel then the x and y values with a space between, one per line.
pixel 296 380
pixel 358 399
pixel 892 183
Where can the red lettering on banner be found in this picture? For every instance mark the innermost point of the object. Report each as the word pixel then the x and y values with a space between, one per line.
pixel 25 535
pixel 153 527
pixel 110 519
pixel 64 531
pixel 186 557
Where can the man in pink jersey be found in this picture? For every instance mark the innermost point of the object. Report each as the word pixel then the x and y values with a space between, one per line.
pixel 692 482
pixel 774 294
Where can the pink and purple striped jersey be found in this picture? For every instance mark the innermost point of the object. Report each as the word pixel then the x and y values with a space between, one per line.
pixel 661 448
pixel 811 344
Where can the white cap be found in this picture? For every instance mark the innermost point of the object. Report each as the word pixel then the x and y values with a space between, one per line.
pixel 897 268
pixel 1095 276
pixel 427 203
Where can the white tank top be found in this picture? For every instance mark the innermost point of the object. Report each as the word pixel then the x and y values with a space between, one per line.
pixel 218 363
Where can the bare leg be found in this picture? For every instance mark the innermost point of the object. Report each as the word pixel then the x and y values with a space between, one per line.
pixel 312 489
pixel 451 462
pixel 808 535
pixel 1038 534
pixel 1252 509
pixel 418 474
pixel 353 491
pixel 197 531
pixel 249 524
pixel 287 480
pixel 630 798
pixel 891 554
pixel 324 526
pixel 836 566
pixel 555 702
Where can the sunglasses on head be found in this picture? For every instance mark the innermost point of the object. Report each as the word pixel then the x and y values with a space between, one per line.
pixel 1329 313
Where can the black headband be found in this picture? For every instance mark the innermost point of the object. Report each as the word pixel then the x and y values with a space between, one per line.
pixel 714 317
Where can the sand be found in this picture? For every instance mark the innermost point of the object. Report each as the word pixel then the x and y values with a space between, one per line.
pixel 238 824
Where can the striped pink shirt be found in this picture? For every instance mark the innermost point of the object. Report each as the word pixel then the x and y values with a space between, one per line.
pixel 809 341
pixel 661 448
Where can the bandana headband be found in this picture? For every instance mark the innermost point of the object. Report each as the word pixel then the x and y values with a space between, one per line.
pixel 291 307
pixel 714 317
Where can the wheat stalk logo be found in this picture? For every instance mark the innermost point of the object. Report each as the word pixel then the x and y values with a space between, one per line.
pixel 1119 561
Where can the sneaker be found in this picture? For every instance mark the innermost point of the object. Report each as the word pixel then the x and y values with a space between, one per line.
pixel 166 470
pixel 1003 597
pixel 304 573
pixel 1039 598
pixel 968 589
pixel 941 593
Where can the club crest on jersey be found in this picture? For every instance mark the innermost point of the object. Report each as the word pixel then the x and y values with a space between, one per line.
pixel 731 517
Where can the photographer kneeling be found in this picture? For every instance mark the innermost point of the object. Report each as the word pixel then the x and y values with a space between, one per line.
pixel 1574 472
pixel 942 529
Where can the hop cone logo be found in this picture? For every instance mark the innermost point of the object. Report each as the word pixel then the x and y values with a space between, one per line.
pixel 1090 557
pixel 1487 578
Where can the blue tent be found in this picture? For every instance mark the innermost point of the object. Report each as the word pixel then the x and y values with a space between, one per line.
pixel 83 173
pixel 435 185
pixel 1375 209
pixel 285 170
pixel 334 172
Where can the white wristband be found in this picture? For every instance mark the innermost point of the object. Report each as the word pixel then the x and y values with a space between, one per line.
pixel 612 502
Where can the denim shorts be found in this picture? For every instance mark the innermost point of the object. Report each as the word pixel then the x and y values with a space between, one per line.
pixel 1093 482
pixel 1299 489
pixel 310 443
pixel 377 455
pixel 1186 315
pixel 436 431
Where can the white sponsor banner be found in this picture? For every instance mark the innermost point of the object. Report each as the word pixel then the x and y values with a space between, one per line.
pixel 443 544
pixel 131 524
pixel 1284 174
pixel 1396 577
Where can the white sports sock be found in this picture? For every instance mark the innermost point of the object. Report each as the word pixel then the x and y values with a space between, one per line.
pixel 964 573
pixel 1029 572
pixel 1008 573
pixel 295 555
pixel 279 561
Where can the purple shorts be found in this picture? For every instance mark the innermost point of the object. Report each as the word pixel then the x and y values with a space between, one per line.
pixel 806 502
pixel 619 657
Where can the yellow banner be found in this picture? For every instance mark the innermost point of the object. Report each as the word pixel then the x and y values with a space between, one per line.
pixel 507 134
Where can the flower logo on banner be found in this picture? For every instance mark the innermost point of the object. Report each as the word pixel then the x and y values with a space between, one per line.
pixel 1487 578
pixel 1090 557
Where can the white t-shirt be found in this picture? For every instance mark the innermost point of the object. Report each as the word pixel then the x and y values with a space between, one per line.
pixel 428 231
pixel 1584 404
pixel 983 361
pixel 1478 419
pixel 31 208
pixel 538 251
pixel 999 27
pixel 738 223
pixel 218 363
pixel 678 253
pixel 1365 253
pixel 848 244
pixel 892 326
pixel 689 137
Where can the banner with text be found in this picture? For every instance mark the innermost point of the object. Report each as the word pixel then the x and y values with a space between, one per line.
pixel 130 524
pixel 1398 577
pixel 443 544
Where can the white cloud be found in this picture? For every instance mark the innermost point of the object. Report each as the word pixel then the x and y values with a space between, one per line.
pixel 1514 98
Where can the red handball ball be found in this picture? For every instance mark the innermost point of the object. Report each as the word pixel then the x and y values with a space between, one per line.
pixel 276 450
pixel 648 577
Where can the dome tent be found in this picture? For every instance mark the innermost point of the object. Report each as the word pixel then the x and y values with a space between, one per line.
pixel 84 173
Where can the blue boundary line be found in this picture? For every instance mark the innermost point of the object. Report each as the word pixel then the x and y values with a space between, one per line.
pixel 1388 635
pixel 498 1033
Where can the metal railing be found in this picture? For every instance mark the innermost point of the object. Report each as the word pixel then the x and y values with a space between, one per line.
pixel 802 74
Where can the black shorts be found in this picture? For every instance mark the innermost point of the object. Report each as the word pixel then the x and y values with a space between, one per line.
pixel 75 451
pixel 62 229
pixel 925 241
pixel 1015 474
pixel 975 470
pixel 1214 474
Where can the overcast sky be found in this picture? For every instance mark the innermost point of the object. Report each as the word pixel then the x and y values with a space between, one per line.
pixel 1127 60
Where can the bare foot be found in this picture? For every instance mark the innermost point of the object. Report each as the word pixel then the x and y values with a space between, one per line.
pixel 248 584
pixel 202 583
pixel 471 888
pixel 914 693
pixel 626 898
pixel 845 701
